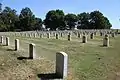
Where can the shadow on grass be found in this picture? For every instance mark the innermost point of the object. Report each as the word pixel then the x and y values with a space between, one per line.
pixel 49 76
pixel 101 46
pixel 104 46
pixel 21 58
pixel 11 50
pixel 3 45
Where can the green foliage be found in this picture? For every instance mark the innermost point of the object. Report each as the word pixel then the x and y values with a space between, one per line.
pixel 70 20
pixel 38 24
pixel 94 20
pixel 27 19
pixel 84 19
pixel 55 19
pixel 98 21
pixel 8 18
pixel 10 21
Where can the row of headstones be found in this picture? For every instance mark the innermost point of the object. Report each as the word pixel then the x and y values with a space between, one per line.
pixel 8 42
pixel 60 35
pixel 51 34
pixel 34 34
pixel 74 31
pixel 61 57
pixel 84 40
pixel 58 32
pixel 105 40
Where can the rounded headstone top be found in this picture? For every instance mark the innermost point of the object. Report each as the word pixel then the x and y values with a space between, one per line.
pixel 32 44
pixel 63 53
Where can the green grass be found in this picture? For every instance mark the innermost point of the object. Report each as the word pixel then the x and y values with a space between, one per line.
pixel 89 61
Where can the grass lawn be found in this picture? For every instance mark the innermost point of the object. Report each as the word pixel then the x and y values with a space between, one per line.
pixel 89 61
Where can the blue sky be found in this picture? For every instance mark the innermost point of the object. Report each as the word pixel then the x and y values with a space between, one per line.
pixel 110 8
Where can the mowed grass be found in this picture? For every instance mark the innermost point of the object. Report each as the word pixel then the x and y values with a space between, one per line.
pixel 89 61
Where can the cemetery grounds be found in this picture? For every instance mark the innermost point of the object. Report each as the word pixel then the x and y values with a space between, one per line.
pixel 87 61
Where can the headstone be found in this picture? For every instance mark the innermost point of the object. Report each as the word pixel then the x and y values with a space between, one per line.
pixel 79 36
pixel 104 33
pixel 57 36
pixel 84 39
pixel 41 36
pixel 1 39
pixel 15 34
pixel 101 34
pixel 113 34
pixel 106 41
pixel 20 34
pixel 61 34
pixel 16 44
pixel 94 33
pixel 117 31
pixel 35 35
pixel 91 36
pixel 7 41
pixel 31 51
pixel 69 37
pixel 61 64
pixel 48 35
pixel 25 34
pixel 29 35
pixel 108 32
pixel 54 34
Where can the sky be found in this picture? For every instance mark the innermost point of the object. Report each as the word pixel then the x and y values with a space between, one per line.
pixel 109 8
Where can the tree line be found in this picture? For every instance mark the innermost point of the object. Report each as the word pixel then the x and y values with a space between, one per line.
pixel 55 19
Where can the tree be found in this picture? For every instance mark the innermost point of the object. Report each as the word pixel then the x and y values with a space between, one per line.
pixel 38 24
pixel 0 7
pixel 8 18
pixel 98 21
pixel 83 20
pixel 108 25
pixel 70 20
pixel 27 19
pixel 54 19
